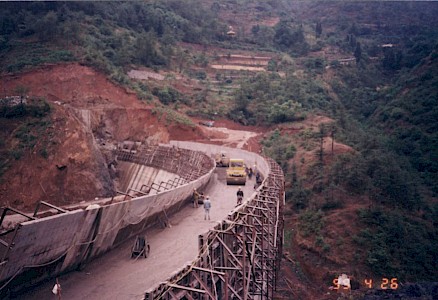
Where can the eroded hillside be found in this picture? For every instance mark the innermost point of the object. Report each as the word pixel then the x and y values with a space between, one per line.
pixel 88 112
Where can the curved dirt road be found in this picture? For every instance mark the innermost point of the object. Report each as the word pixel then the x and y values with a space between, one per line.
pixel 229 137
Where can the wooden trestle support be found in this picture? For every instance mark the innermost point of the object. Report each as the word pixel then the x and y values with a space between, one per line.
pixel 239 258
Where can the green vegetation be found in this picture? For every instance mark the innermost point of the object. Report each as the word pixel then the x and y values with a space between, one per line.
pixel 270 99
pixel 386 110
pixel 399 244
pixel 30 134
pixel 37 108
pixel 169 95
pixel 29 124
pixel 172 117
pixel 279 148
pixel 105 35
pixel 311 223
pixel 37 55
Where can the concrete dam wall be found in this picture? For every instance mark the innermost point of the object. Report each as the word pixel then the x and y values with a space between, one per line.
pixel 44 247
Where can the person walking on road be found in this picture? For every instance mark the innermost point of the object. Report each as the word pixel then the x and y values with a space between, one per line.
pixel 239 196
pixel 207 206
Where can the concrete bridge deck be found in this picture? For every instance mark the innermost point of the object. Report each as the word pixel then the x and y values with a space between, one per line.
pixel 236 255
pixel 116 276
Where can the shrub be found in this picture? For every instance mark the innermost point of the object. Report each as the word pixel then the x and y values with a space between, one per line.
pixel 168 95
pixel 310 223
pixel 332 204
pixel 201 75
pixel 36 108
pixel 16 153
pixel 298 196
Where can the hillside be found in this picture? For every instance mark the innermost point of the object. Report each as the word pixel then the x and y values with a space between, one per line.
pixel 54 155
pixel 343 96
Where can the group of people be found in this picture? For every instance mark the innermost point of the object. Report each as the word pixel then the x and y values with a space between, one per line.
pixel 199 198
pixel 250 171
pixel 205 200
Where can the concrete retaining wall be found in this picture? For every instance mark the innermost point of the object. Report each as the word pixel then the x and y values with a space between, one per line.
pixel 48 246
pixel 134 176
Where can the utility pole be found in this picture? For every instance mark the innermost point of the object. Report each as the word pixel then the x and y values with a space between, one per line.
pixel 333 139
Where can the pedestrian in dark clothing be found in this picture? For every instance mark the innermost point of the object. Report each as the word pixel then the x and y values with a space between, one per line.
pixel 258 180
pixel 207 206
pixel 239 196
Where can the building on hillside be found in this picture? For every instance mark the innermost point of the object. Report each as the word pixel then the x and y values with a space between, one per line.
pixel 13 100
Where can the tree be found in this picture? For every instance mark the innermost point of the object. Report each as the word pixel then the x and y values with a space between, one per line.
pixel 284 35
pixel 358 52
pixel 321 135
pixel 265 35
pixel 318 29
pixel 288 111
pixel 392 60
pixel 145 47
pixel 146 50
pixel 352 41
pixel 183 59
pixel 3 42
pixel 47 27
pixel 70 32
pixel 353 29
pixel 288 38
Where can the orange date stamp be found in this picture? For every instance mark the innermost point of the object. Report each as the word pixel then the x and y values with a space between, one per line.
pixel 369 283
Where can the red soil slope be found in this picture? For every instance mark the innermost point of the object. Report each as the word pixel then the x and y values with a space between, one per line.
pixel 85 106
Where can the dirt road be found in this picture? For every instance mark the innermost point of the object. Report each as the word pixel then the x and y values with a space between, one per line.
pixel 229 137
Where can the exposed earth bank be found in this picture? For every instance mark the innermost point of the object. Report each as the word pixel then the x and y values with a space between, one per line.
pixel 89 114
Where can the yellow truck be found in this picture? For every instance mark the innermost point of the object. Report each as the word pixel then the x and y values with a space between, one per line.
pixel 236 172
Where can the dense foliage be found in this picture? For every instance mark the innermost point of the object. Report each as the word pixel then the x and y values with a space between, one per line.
pixel 397 244
pixel 110 34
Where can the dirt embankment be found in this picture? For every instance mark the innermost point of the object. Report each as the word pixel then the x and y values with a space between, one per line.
pixel 88 112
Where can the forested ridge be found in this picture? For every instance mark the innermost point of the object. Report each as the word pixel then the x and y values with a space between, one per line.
pixel 372 67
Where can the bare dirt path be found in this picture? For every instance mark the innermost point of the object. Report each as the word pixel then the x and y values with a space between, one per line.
pixel 233 135
pixel 234 138
pixel 116 276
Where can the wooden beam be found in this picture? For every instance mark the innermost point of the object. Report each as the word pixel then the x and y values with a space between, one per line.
pixel 204 285
pixel 177 286
pixel 229 251
pixel 208 270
